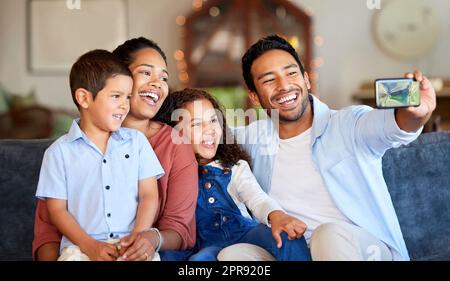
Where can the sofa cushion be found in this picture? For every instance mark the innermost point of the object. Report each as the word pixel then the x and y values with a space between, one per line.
pixel 417 175
pixel 418 178
pixel 20 162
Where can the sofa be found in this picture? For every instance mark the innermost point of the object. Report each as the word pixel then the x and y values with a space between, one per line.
pixel 417 175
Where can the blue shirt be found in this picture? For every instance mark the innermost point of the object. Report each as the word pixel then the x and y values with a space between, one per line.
pixel 347 147
pixel 101 190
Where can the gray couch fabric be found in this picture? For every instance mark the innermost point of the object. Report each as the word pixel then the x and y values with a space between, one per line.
pixel 417 175
pixel 20 163
pixel 418 179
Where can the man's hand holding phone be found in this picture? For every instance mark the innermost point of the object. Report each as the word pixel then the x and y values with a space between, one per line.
pixel 427 96
pixel 411 112
pixel 397 92
pixel 405 92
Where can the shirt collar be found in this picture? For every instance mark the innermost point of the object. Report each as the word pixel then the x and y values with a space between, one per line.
pixel 75 133
pixel 321 117
pixel 122 134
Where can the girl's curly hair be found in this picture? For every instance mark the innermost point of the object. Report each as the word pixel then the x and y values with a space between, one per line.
pixel 227 154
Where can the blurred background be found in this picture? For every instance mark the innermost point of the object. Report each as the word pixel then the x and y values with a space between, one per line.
pixel 345 45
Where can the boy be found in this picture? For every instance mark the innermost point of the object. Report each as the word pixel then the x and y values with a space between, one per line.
pixel 99 180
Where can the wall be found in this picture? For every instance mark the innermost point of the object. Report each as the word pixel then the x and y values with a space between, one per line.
pixel 351 56
pixel 153 19
pixel 349 52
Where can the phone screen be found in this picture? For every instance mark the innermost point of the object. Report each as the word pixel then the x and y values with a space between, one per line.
pixel 398 92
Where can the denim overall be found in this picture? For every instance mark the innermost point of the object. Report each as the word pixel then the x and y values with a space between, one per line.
pixel 220 222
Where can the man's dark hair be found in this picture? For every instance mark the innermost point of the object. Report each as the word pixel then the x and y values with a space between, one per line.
pixel 127 50
pixel 92 69
pixel 271 42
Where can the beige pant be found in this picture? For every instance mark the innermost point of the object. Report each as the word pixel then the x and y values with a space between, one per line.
pixel 329 242
pixel 73 253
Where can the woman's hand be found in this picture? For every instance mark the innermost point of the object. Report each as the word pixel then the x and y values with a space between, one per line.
pixel 281 221
pixel 138 246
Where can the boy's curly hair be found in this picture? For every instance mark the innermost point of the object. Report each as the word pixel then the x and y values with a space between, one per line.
pixel 227 154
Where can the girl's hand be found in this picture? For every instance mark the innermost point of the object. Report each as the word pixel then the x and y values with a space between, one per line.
pixel 281 221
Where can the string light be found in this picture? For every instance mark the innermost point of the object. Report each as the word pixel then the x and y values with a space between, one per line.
pixel 214 12
pixel 314 76
pixel 183 77
pixel 178 55
pixel 197 4
pixel 317 62
pixel 318 40
pixel 309 11
pixel 180 20
pixel 320 61
pixel 182 65
pixel 280 12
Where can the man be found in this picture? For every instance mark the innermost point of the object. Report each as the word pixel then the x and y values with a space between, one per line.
pixel 324 166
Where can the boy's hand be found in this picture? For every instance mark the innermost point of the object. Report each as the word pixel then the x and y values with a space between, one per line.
pixel 100 251
pixel 281 221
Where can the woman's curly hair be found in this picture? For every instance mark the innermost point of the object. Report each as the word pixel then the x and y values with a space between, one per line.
pixel 227 153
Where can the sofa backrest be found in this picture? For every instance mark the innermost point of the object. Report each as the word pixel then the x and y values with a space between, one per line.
pixel 418 179
pixel 417 175
pixel 20 163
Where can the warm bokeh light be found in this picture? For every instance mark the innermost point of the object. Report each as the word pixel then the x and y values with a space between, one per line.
pixel 182 65
pixel 318 40
pixel 309 11
pixel 197 4
pixel 314 76
pixel 280 12
pixel 317 62
pixel 180 20
pixel 214 12
pixel 293 40
pixel 183 77
pixel 178 55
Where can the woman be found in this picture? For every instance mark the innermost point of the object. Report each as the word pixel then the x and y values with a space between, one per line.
pixel 175 223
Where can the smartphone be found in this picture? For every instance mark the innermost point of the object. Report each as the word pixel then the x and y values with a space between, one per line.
pixel 397 92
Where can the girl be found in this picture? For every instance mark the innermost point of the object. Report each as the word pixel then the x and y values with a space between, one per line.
pixel 227 188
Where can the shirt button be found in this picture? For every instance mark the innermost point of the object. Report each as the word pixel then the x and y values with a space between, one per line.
pixel 216 224
pixel 127 156
pixel 108 215
pixel 211 200
pixel 224 219
pixel 104 160
pixel 205 171
pixel 226 171
pixel 208 185
pixel 107 187
pixel 111 235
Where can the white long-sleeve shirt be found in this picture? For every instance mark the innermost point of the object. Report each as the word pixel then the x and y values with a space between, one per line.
pixel 247 193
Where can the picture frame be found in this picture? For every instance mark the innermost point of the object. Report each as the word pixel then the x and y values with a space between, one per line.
pixel 60 31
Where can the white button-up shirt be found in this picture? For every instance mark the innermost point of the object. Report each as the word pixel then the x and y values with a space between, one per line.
pixel 347 147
